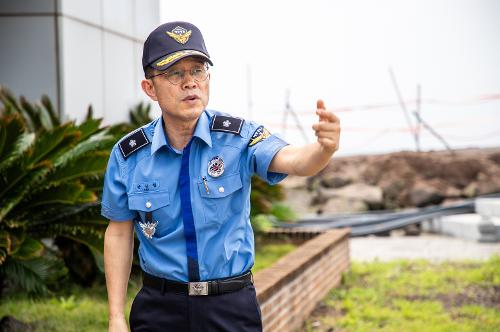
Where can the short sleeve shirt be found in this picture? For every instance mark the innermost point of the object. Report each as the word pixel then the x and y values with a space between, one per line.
pixel 150 180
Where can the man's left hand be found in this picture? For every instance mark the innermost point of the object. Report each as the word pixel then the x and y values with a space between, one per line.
pixel 327 129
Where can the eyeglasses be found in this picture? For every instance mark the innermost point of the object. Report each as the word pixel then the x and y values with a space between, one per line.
pixel 176 76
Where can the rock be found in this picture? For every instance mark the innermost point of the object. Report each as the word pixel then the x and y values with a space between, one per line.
pixel 370 195
pixel 424 193
pixel 334 181
pixel 471 190
pixel 413 230
pixel 343 205
pixel 408 179
pixel 294 182
pixel 299 200
pixel 10 324
pixel 452 192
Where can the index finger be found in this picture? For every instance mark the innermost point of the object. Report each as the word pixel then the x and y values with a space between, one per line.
pixel 327 115
pixel 320 104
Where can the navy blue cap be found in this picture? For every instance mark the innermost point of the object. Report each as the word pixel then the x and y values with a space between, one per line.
pixel 171 42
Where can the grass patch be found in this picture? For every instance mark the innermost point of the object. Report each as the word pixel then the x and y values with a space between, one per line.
pixel 74 309
pixel 85 309
pixel 267 254
pixel 413 296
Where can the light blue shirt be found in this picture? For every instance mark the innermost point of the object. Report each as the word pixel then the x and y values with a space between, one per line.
pixel 150 180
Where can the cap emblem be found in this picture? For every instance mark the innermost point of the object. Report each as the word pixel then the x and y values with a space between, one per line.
pixel 179 34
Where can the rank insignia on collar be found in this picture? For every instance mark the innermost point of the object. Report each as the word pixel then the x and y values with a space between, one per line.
pixel 259 135
pixel 215 167
pixel 148 228
pixel 226 124
pixel 133 142
pixel 179 34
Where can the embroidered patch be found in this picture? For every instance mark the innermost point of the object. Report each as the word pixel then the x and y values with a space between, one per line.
pixel 215 167
pixel 259 135
pixel 177 55
pixel 179 34
pixel 227 124
pixel 133 142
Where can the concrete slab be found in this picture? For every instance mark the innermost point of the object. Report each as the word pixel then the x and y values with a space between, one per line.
pixel 471 226
pixel 488 207
pixel 427 246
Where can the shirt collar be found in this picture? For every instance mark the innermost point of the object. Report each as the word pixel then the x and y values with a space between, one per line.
pixel 159 138
pixel 201 131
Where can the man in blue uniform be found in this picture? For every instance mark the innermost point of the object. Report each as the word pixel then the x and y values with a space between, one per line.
pixel 183 183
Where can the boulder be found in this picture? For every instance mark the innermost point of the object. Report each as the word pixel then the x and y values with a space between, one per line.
pixel 294 182
pixel 370 195
pixel 335 181
pixel 425 193
pixel 10 324
pixel 299 200
pixel 342 205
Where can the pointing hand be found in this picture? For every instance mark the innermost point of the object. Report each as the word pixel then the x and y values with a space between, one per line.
pixel 327 129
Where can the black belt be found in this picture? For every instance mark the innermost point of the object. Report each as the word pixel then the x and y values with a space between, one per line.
pixel 195 288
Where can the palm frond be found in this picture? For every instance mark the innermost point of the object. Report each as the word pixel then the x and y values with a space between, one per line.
pixel 53 114
pixel 32 275
pixel 95 244
pixel 29 249
pixel 13 139
pixel 93 163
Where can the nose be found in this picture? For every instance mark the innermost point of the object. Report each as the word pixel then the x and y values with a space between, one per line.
pixel 188 81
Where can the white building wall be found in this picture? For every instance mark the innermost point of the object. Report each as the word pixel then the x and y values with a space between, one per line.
pixel 28 52
pixel 79 52
pixel 110 74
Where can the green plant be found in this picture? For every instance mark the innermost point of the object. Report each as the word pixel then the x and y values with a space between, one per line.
pixel 49 171
pixel 139 115
pixel 283 212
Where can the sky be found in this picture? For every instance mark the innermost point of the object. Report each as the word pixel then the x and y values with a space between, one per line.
pixel 341 52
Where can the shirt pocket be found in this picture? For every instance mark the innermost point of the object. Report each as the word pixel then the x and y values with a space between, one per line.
pixel 158 204
pixel 221 197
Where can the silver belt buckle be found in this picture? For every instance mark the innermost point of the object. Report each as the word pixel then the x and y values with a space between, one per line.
pixel 198 288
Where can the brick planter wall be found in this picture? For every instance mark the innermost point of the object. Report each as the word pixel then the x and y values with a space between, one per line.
pixel 290 289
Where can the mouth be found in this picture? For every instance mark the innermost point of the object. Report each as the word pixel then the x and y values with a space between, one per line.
pixel 191 98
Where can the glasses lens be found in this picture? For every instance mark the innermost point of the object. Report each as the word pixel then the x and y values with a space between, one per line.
pixel 174 76
pixel 199 74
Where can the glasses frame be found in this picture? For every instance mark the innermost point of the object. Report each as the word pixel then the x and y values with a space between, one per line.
pixel 205 67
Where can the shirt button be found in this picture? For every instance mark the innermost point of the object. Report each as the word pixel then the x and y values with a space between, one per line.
pixel 148 204
pixel 221 189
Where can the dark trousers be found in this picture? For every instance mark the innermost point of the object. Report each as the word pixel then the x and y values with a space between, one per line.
pixel 232 312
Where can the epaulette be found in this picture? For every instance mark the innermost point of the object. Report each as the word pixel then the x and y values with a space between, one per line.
pixel 133 142
pixel 227 124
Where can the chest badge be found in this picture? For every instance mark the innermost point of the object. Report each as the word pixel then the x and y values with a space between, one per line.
pixel 148 228
pixel 215 167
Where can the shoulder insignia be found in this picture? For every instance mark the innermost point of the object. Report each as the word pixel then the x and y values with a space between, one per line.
pixel 259 135
pixel 226 124
pixel 133 142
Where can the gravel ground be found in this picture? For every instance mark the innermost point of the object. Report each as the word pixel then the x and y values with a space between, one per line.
pixel 426 246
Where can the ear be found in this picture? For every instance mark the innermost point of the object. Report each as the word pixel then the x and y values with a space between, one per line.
pixel 149 89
